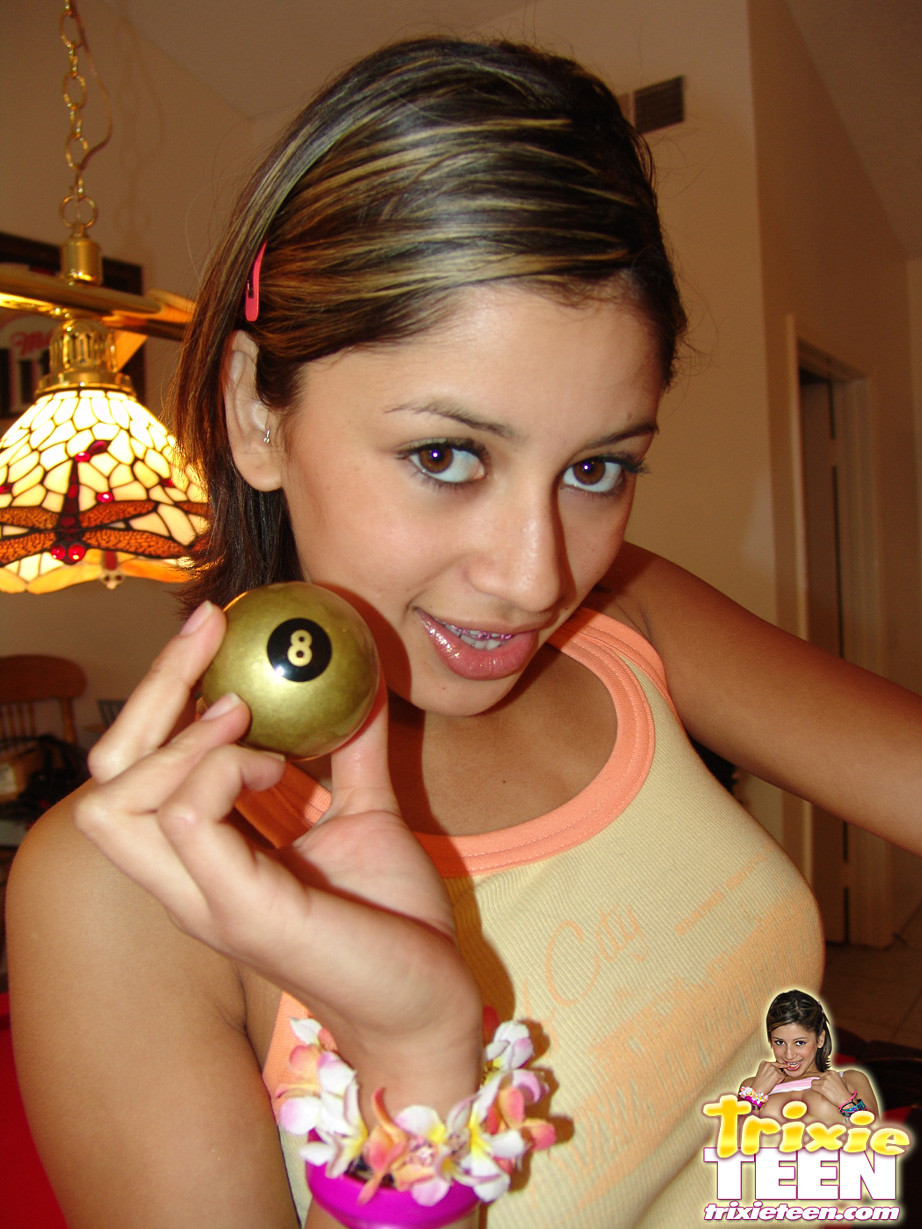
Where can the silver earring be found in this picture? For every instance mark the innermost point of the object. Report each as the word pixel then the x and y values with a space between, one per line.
pixel 266 436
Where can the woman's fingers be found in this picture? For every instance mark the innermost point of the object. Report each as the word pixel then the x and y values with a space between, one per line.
pixel 361 848
pixel 161 698
pixel 196 778
pixel 228 873
pixel 360 774
pixel 355 888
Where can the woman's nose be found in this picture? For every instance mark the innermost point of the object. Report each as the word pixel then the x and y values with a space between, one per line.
pixel 520 555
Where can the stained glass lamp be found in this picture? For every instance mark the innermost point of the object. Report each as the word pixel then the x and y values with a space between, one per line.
pixel 88 484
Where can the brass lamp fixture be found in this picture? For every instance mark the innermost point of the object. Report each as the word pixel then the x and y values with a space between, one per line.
pixel 89 487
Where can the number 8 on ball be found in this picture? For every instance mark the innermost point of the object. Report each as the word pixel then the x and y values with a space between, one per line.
pixel 305 663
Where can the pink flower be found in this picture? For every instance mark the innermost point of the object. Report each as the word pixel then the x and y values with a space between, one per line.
pixel 510 1048
pixel 340 1131
pixel 500 1130
pixel 480 1142
pixel 416 1149
pixel 299 1109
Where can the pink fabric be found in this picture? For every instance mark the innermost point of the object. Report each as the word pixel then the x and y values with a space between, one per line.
pixel 796 1085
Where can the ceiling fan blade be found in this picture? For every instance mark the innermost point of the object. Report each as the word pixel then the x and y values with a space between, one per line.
pixel 159 314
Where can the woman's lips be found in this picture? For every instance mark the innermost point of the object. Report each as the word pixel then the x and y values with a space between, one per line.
pixel 475 653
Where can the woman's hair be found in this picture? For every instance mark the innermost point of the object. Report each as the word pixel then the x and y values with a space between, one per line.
pixel 432 165
pixel 798 1007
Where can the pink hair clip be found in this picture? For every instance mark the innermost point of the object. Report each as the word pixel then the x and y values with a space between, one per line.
pixel 251 294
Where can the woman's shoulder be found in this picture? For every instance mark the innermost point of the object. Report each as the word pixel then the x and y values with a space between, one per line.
pixel 67 905
pixel 149 1030
pixel 619 594
pixel 853 1076
pixel 57 874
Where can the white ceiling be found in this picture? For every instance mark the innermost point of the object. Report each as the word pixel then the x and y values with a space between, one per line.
pixel 868 53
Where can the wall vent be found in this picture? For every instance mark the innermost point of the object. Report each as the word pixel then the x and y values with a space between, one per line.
pixel 655 106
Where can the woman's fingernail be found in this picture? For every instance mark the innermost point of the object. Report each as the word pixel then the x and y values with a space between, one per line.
pixel 222 706
pixel 196 619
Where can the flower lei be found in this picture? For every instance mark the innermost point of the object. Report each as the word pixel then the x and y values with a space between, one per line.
pixel 481 1141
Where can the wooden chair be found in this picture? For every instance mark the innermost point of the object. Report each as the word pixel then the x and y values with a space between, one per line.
pixel 28 680
pixel 109 710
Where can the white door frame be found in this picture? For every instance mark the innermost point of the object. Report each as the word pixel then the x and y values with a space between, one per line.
pixel 869 869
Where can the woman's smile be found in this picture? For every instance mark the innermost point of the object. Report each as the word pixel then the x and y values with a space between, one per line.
pixel 466 488
pixel 475 654
pixel 795 1048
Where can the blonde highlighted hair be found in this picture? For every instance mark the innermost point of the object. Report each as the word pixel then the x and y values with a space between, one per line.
pixel 431 166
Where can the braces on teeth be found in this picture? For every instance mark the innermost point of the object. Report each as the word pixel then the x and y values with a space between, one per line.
pixel 477 635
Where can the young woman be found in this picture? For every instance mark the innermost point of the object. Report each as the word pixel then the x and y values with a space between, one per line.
pixel 799 1070
pixel 424 371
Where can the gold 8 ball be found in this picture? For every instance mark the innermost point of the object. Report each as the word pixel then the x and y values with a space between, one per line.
pixel 304 662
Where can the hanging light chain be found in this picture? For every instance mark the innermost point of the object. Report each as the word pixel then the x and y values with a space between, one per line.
pixel 78 210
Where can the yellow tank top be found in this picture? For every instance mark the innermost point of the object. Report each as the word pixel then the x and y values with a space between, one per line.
pixel 643 927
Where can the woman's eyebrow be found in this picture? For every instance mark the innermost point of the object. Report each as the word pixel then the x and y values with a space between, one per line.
pixel 648 427
pixel 503 431
pixel 446 409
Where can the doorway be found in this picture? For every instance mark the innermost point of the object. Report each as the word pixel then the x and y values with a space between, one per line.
pixel 851 871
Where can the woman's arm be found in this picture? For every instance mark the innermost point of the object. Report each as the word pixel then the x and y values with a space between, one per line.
pixel 837 1087
pixel 768 1075
pixel 144 1095
pixel 352 920
pixel 142 1090
pixel 776 706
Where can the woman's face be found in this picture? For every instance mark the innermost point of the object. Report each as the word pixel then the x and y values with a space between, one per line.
pixel 795 1047
pixel 468 487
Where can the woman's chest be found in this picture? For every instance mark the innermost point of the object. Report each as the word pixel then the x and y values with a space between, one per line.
pixel 511 765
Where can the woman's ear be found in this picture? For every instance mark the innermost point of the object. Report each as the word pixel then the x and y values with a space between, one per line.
pixel 251 425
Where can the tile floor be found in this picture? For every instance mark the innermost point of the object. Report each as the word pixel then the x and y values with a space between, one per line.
pixel 877 993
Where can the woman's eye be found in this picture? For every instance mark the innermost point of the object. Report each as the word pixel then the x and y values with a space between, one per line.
pixel 600 475
pixel 447 463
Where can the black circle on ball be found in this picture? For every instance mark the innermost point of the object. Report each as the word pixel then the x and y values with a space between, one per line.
pixel 299 650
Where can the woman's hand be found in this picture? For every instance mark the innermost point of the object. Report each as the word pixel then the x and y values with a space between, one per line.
pixel 352 919
pixel 838 1088
pixel 768 1075
pixel 832 1087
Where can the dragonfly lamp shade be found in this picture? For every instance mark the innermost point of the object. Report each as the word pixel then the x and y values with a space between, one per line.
pixel 89 488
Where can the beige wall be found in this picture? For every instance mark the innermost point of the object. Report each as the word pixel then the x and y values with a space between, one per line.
pixel 832 263
pixel 835 276
pixel 706 502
